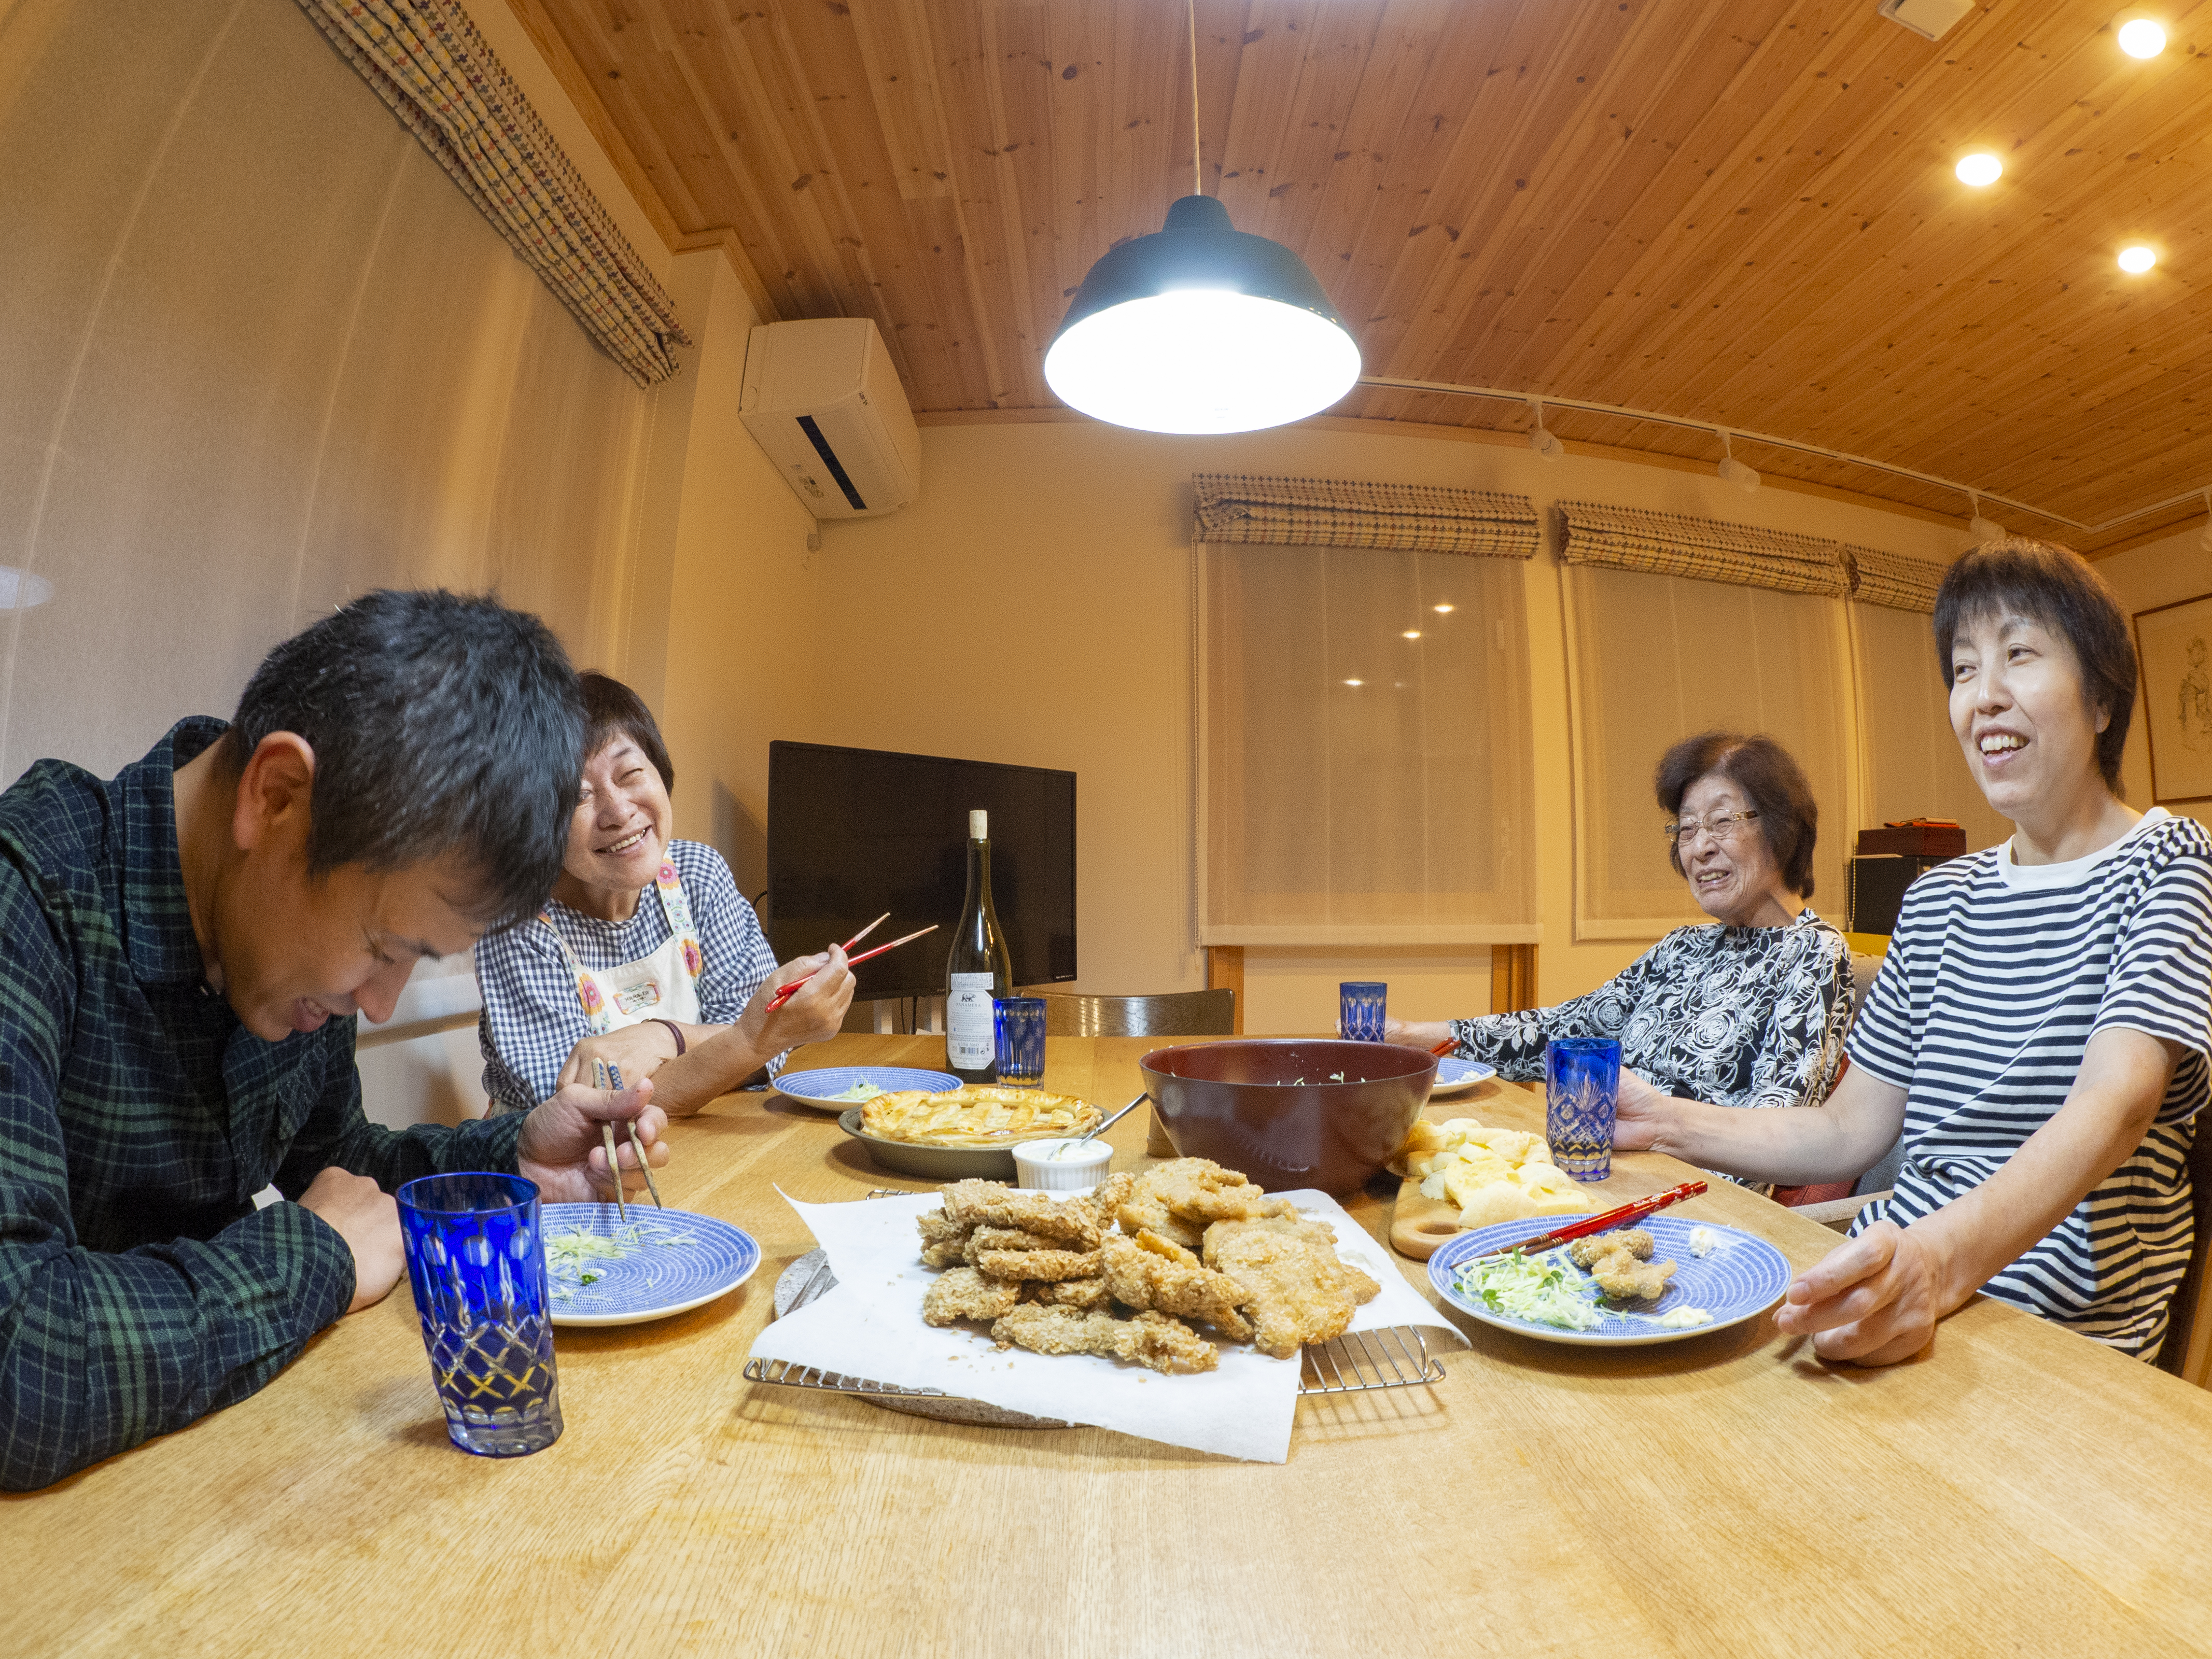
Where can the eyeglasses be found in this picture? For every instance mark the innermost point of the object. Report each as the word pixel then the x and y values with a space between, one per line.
pixel 1723 827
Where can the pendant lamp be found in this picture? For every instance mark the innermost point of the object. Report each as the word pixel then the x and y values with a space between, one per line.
pixel 1198 327
pixel 1201 328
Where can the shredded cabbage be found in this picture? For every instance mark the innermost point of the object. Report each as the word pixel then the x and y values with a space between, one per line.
pixel 1544 1290
pixel 859 1092
pixel 578 1258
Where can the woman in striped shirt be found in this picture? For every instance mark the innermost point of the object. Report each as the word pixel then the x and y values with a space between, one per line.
pixel 2039 1030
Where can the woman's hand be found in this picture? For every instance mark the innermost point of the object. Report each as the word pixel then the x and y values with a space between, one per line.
pixel 635 1052
pixel 561 1150
pixel 1874 1300
pixel 1414 1034
pixel 814 1013
pixel 1641 1114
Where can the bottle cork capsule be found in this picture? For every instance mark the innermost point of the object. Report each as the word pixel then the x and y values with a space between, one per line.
pixel 978 826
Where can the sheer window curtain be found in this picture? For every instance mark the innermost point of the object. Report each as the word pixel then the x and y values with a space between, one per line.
pixel 1655 659
pixel 1911 761
pixel 1365 771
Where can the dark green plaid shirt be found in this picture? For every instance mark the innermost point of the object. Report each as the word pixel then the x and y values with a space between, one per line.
pixel 139 1287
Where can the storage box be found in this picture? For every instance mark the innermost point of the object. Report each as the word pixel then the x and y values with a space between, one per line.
pixel 1920 841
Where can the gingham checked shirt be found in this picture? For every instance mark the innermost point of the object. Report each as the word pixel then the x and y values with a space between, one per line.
pixel 139 1287
pixel 532 1017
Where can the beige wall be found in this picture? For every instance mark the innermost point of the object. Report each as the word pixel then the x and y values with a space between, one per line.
pixel 261 355
pixel 2159 573
pixel 1034 606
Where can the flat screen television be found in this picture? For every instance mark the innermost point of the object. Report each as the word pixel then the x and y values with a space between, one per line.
pixel 854 832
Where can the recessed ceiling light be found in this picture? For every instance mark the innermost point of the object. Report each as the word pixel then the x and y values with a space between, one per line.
pixel 2141 38
pixel 2137 259
pixel 1442 610
pixel 1980 168
pixel 1355 681
pixel 1411 634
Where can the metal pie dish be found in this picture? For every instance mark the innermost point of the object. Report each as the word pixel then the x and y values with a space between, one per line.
pixel 909 1158
pixel 1275 1110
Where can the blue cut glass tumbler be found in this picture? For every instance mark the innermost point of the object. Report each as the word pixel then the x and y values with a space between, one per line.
pixel 1360 1009
pixel 1019 1025
pixel 1581 1087
pixel 475 1262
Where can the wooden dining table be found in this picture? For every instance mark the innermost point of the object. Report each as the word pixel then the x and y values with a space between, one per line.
pixel 2017 1489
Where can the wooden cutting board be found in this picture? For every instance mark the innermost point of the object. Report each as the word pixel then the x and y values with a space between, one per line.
pixel 1419 1225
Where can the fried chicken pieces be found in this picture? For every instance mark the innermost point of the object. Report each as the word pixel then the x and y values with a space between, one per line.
pixel 1293 1283
pixel 1053 1276
pixel 1621 1264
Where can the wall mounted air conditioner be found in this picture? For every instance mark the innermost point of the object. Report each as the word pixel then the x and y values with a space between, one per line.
pixel 822 398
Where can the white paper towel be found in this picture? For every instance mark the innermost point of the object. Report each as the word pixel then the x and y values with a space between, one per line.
pixel 870 1325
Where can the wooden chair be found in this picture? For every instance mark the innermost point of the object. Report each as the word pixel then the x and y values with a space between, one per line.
pixel 1171 1013
pixel 1834 1203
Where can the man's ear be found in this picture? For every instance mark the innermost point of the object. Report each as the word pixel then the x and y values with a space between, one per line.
pixel 274 792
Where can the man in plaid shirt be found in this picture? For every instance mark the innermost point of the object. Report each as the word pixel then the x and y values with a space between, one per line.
pixel 185 945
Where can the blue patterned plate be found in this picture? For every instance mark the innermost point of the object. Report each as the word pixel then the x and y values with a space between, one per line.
pixel 823 1087
pixel 1739 1278
pixel 1454 1074
pixel 680 1261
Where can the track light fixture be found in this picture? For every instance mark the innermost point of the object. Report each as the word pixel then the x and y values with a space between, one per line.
pixel 1981 529
pixel 1546 444
pixel 1734 472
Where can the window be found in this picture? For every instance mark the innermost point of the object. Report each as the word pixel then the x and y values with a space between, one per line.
pixel 1655 659
pixel 1364 750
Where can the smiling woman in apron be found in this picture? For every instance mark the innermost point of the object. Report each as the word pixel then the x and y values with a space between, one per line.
pixel 646 955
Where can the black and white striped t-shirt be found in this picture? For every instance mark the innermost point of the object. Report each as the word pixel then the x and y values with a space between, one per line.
pixel 1997 977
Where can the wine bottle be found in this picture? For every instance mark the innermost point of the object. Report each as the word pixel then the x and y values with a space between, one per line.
pixel 978 970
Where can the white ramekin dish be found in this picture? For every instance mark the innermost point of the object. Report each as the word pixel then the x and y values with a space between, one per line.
pixel 1082 1164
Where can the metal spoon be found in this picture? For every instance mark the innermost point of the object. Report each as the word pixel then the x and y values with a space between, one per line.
pixel 1061 1151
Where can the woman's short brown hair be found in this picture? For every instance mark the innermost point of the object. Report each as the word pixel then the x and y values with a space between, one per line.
pixel 2053 585
pixel 1789 817
pixel 612 709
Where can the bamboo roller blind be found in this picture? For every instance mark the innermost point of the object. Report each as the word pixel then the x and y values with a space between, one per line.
pixel 1747 556
pixel 1344 513
pixel 426 59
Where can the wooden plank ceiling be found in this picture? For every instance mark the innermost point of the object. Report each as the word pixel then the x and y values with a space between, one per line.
pixel 1737 211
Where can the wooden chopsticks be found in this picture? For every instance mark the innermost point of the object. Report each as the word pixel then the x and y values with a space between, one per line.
pixel 608 1075
pixel 792 989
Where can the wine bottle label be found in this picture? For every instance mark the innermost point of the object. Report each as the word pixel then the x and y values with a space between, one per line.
pixel 970 1042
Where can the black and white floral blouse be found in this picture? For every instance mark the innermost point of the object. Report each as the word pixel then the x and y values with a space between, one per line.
pixel 1735 1016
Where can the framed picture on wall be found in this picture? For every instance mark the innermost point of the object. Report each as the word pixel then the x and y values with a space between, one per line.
pixel 2175 644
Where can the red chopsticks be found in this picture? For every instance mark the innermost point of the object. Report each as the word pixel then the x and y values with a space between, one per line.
pixel 792 989
pixel 1602 1222
pixel 1445 1047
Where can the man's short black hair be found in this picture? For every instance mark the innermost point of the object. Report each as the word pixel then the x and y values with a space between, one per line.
pixel 441 723
pixel 2053 585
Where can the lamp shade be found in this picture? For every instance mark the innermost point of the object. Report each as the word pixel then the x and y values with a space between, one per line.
pixel 1200 328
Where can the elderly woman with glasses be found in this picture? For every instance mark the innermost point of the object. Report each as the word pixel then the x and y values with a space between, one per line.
pixel 1749 1013
pixel 2039 1030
